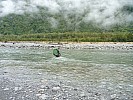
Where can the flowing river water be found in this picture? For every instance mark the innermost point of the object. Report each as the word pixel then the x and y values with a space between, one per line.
pixel 35 74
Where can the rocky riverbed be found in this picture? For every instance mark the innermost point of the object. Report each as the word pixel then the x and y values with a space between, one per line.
pixel 50 90
pixel 28 71
pixel 71 45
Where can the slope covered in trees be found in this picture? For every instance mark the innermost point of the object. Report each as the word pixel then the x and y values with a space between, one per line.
pixel 69 24
pixel 45 22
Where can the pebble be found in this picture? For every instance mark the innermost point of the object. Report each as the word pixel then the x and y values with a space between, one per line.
pixel 120 87
pixel 43 81
pixel 17 88
pixel 41 90
pixel 10 97
pixel 82 95
pixel 30 91
pixel 5 72
pixel 75 89
pixel 26 95
pixel 47 87
pixel 55 88
pixel 42 86
pixel 6 89
pixel 39 73
pixel 43 96
pixel 113 96
pixel 38 94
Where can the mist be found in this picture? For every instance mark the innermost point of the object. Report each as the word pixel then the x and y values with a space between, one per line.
pixel 101 12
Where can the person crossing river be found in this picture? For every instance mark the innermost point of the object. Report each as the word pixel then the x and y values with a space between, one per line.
pixel 56 52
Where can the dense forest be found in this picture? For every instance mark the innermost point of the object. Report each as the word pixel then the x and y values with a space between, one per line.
pixel 44 22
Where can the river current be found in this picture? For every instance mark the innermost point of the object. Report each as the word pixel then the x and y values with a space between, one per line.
pixel 102 70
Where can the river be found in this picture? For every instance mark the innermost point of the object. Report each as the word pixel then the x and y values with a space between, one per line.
pixel 35 74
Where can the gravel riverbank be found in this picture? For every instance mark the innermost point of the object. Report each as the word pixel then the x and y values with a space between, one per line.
pixel 85 45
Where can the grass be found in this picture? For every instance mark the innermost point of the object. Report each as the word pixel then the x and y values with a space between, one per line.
pixel 71 37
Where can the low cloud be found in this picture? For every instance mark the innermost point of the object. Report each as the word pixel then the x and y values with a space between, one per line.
pixel 102 12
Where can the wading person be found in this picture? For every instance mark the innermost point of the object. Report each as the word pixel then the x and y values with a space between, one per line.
pixel 56 52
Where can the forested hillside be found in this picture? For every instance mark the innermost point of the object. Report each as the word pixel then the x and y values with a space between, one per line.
pixel 66 20
pixel 46 22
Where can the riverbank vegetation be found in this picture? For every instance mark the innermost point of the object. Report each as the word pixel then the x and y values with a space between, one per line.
pixel 71 37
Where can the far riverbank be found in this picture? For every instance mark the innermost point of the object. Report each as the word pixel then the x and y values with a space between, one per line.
pixel 69 45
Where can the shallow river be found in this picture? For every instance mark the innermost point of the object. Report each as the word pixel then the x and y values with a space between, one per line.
pixel 106 72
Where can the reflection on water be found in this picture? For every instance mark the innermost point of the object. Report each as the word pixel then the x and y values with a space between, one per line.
pixel 96 66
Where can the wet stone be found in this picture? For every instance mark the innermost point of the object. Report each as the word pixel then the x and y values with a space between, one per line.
pixel 38 94
pixel 82 95
pixel 17 88
pixel 55 88
pixel 75 89
pixel 43 96
pixel 113 96
pixel 41 90
pixel 6 89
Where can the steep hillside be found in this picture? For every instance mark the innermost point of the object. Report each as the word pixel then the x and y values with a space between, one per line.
pixel 24 16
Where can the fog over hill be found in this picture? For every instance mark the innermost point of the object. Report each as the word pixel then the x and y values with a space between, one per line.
pixel 100 13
